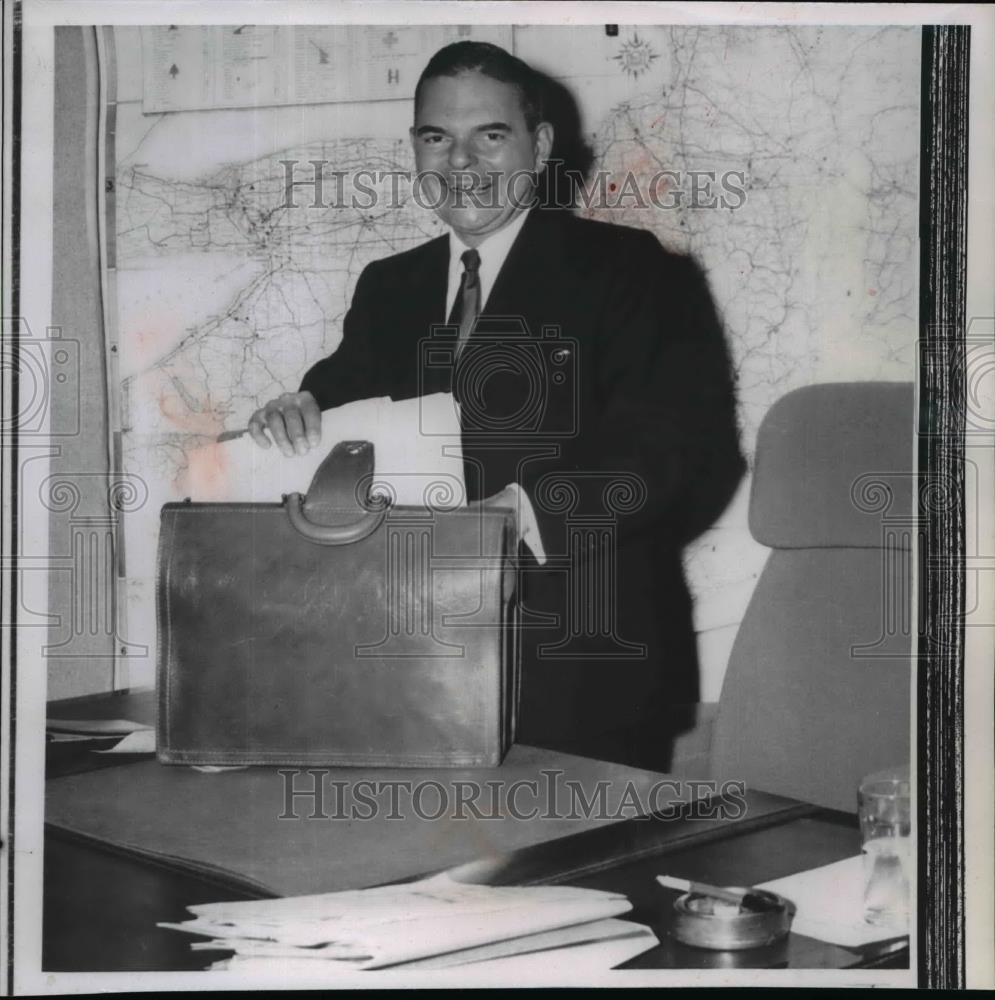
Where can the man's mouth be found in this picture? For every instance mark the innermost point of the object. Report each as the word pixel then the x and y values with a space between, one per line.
pixel 478 188
pixel 474 196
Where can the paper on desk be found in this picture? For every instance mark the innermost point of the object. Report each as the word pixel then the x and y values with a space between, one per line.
pixel 370 928
pixel 589 959
pixel 417 455
pixel 77 738
pixel 598 936
pixel 585 949
pixel 142 741
pixel 95 727
pixel 830 903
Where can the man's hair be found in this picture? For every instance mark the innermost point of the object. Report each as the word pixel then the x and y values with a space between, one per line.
pixel 492 61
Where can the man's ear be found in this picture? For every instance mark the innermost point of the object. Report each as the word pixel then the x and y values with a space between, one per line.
pixel 543 144
pixel 413 138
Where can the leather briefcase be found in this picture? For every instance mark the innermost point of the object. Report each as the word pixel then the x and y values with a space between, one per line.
pixel 331 630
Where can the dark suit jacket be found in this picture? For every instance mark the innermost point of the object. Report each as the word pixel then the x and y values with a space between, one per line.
pixel 599 380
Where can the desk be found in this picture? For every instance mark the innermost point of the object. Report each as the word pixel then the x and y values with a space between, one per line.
pixel 101 904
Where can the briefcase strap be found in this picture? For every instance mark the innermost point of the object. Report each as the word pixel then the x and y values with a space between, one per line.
pixel 336 510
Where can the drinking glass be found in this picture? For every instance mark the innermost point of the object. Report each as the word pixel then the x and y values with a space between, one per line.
pixel 885 812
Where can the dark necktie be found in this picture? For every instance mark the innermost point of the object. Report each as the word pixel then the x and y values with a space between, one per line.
pixel 466 307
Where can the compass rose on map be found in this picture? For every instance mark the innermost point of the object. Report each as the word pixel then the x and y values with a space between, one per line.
pixel 635 56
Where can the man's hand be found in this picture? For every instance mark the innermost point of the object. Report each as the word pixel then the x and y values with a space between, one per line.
pixel 294 421
pixel 526 526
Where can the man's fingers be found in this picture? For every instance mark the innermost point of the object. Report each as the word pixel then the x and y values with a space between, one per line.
pixel 293 421
pixel 257 431
pixel 295 428
pixel 274 421
pixel 311 413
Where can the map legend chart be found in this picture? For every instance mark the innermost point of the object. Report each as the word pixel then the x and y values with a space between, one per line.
pixel 191 68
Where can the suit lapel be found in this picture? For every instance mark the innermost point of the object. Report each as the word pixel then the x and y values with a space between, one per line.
pixel 424 301
pixel 419 304
pixel 523 284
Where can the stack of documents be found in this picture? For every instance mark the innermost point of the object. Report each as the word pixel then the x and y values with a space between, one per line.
pixel 432 924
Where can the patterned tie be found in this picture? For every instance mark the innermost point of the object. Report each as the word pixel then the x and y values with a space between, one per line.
pixel 466 307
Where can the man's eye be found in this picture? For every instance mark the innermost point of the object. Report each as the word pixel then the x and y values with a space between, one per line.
pixel 431 139
pixel 494 136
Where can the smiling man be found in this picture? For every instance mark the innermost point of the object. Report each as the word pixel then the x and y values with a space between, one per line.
pixel 593 378
pixel 479 146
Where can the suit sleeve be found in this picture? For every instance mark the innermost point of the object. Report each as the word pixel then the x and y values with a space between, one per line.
pixel 665 420
pixel 352 371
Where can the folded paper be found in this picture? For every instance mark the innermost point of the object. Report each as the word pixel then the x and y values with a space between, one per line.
pixel 388 925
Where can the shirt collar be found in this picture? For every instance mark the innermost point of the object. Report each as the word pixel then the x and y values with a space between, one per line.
pixel 493 251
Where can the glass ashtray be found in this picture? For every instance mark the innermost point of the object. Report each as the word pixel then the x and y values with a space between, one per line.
pixel 706 922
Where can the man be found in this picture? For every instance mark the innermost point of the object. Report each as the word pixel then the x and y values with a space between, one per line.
pixel 592 376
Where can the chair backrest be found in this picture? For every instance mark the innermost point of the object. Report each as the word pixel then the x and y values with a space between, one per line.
pixel 818 688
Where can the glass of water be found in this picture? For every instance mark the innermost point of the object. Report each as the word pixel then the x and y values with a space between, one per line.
pixel 886 834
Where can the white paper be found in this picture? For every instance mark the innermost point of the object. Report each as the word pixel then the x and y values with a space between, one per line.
pixel 598 937
pixel 528 525
pixel 572 961
pixel 417 456
pixel 369 928
pixel 142 741
pixel 582 950
pixel 95 727
pixel 830 903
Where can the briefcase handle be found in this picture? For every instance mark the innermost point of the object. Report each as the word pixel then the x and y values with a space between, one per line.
pixel 333 513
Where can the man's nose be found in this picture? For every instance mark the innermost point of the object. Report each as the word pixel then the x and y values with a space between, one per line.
pixel 460 155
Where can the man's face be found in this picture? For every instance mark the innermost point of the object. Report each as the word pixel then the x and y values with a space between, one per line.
pixel 475 152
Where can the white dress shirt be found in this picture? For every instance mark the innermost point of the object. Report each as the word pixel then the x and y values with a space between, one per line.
pixel 493 252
